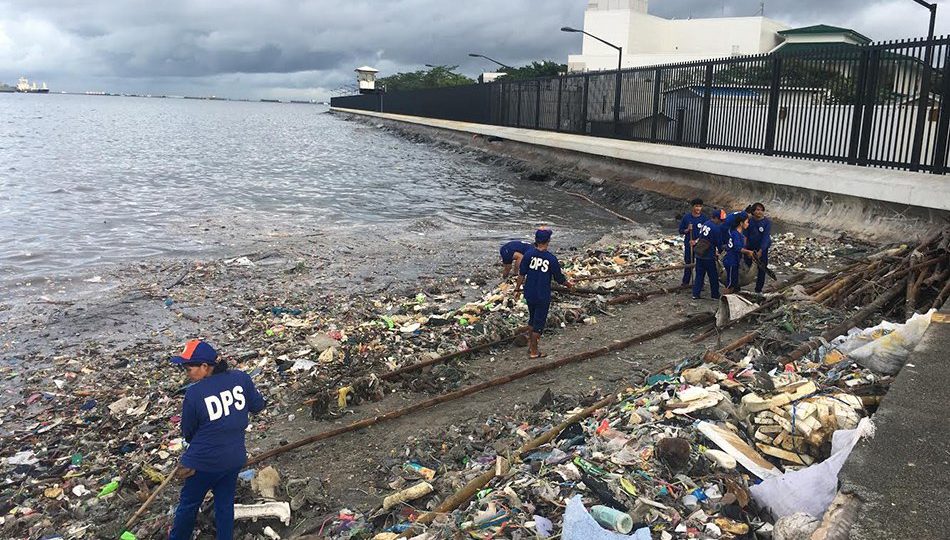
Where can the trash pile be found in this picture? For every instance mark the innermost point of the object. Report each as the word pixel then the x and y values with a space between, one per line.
pixel 704 450
pixel 93 432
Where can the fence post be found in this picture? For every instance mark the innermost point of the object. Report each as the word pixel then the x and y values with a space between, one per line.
pixel 656 104
pixel 520 85
pixel 923 103
pixel 380 101
pixel 771 121
pixel 584 109
pixel 489 119
pixel 507 99
pixel 870 100
pixel 943 122
pixel 537 107
pixel 707 102
pixel 560 88
pixel 618 85
pixel 860 90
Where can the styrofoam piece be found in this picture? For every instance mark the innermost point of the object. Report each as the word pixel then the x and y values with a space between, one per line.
pixel 274 509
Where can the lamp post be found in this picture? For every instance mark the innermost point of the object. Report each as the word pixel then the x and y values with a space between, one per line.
pixel 933 16
pixel 619 75
pixel 506 66
pixel 924 91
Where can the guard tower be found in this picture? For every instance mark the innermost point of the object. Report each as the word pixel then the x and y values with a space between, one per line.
pixel 366 79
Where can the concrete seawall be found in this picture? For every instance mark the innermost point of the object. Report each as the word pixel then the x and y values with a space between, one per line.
pixel 873 203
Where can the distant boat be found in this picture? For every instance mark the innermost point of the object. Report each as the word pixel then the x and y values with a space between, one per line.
pixel 303 101
pixel 24 86
pixel 270 101
pixel 7 88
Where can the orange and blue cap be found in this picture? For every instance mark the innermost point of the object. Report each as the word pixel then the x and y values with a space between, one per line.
pixel 196 352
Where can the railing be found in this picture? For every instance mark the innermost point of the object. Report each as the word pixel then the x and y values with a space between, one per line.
pixel 875 105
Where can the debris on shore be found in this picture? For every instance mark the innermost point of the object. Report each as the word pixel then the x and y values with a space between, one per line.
pixel 89 435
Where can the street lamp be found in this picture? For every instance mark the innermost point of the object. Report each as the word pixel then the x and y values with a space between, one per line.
pixel 619 76
pixel 924 99
pixel 933 16
pixel 506 66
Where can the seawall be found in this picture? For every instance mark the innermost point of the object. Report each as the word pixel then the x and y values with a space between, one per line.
pixel 871 203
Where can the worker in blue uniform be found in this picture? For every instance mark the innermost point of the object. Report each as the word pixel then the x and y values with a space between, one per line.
pixel 735 248
pixel 759 234
pixel 706 249
pixel 538 267
pixel 511 254
pixel 213 420
pixel 688 229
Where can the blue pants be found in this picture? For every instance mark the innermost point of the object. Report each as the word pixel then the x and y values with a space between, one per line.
pixel 223 485
pixel 760 277
pixel 732 276
pixel 687 258
pixel 538 315
pixel 706 267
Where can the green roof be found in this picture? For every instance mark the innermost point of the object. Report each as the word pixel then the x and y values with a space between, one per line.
pixel 819 29
pixel 796 49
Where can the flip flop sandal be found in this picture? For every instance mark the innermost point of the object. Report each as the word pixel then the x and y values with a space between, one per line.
pixel 536 356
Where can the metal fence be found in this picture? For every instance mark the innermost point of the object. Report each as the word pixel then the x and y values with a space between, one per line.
pixel 873 105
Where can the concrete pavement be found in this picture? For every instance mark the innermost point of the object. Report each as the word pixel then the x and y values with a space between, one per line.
pixel 902 475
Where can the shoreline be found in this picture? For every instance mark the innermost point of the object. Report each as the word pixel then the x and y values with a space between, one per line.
pixel 89 377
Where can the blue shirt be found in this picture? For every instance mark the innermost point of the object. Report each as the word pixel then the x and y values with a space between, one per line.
pixel 213 419
pixel 711 233
pixel 760 234
pixel 539 267
pixel 690 219
pixel 509 249
pixel 735 242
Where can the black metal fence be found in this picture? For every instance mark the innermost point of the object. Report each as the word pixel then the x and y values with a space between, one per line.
pixel 873 105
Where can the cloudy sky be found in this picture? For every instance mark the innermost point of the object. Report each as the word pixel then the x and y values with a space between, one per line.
pixel 304 49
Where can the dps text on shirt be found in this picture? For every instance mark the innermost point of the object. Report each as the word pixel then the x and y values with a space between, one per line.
pixel 539 267
pixel 214 417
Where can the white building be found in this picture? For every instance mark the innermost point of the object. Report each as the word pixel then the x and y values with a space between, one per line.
pixel 649 40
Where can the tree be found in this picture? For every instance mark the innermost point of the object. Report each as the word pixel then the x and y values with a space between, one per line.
pixel 534 70
pixel 435 77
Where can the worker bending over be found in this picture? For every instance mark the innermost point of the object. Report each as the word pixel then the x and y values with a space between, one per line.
pixel 511 253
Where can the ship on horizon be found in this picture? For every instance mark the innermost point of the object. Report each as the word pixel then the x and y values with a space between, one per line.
pixel 24 86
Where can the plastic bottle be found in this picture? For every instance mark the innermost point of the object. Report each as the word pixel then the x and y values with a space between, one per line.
pixel 614 520
pixel 109 488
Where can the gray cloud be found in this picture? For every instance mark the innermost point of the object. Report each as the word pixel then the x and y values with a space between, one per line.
pixel 294 49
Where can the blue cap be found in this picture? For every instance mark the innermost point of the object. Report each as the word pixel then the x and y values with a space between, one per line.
pixel 196 352
pixel 542 236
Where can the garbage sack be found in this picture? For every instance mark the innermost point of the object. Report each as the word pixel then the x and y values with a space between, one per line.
pixel 747 274
pixel 580 525
pixel 887 354
pixel 731 307
pixel 811 490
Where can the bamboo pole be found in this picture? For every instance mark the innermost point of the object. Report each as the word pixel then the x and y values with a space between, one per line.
pixel 148 501
pixel 634 273
pixel 831 333
pixel 458 394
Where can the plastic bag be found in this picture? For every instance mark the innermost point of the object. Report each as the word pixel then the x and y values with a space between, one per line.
pixel 884 347
pixel 811 490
